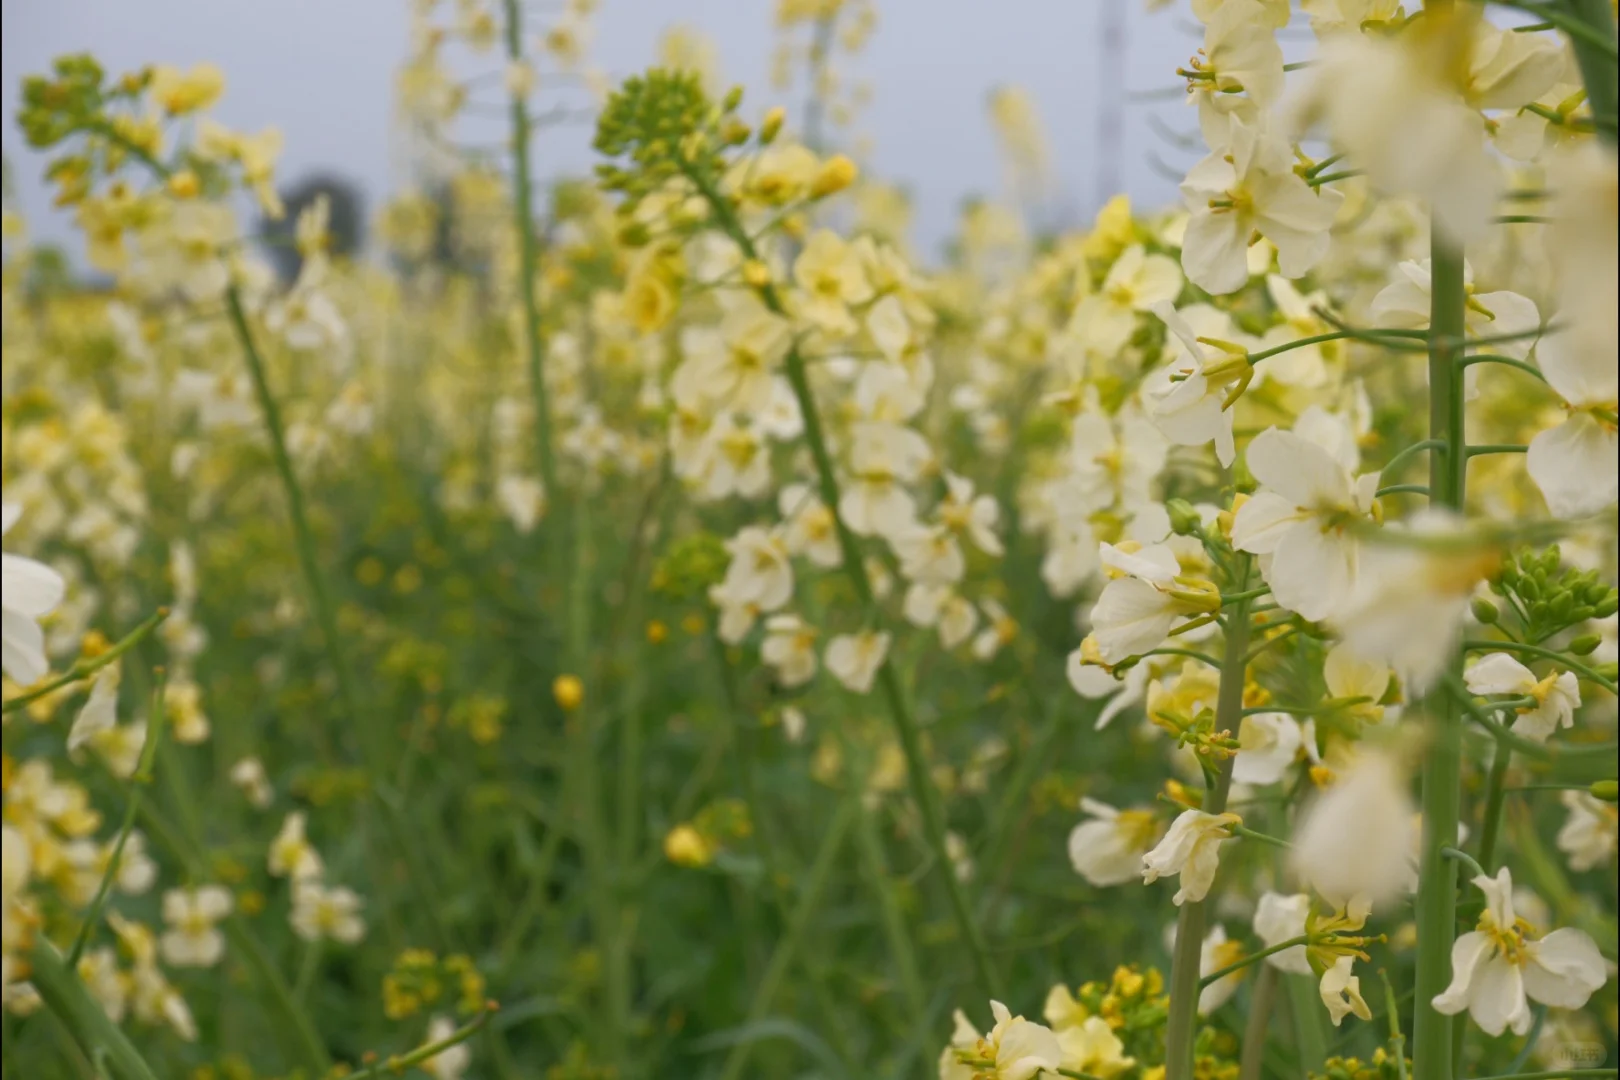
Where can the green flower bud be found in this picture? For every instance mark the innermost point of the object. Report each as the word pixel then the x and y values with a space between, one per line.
pixel 1184 519
pixel 1608 607
pixel 1485 611
pixel 1585 645
pixel 1607 790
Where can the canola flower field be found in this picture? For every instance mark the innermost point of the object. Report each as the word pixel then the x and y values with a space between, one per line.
pixel 660 624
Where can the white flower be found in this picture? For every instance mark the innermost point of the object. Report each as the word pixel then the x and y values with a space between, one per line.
pixel 1268 743
pixel 930 555
pixel 1019 1049
pixel 291 853
pixel 733 364
pixel 809 528
pixel 854 659
pixel 1411 600
pixel 1387 104
pixel 1135 613
pixel 30 590
pixel 1301 522
pixel 1187 398
pixel 191 939
pixel 1191 849
pixel 1107 318
pixel 940 606
pixel 1588 836
pixel 100 711
pixel 1341 991
pixel 1000 629
pixel 970 515
pixel 790 648
pixel 760 572
pixel 446 1064
pixel 1108 849
pixel 1249 187
pixel 1354 838
pixel 249 777
pixel 1495 967
pixel 1556 697
pixel 1577 464
pixel 1279 918
pixel 1090 679
pixel 1091 1047
pixel 523 499
pixel 326 912
pixel 883 458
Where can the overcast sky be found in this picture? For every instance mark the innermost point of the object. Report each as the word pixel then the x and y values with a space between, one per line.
pixel 322 70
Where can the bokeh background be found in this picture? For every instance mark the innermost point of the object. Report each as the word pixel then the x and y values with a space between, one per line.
pixel 323 71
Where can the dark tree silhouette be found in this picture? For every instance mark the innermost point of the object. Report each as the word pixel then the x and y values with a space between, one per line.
pixel 346 228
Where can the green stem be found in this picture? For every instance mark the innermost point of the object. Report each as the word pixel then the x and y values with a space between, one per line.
pixel 1397 1041
pixel 82 1014
pixel 1442 765
pixel 1402 489
pixel 1252 1057
pixel 1410 452
pixel 529 259
pixel 921 782
pixel 1496 795
pixel 1505 361
pixel 1265 838
pixel 1481 449
pixel 137 789
pixel 1254 958
pixel 787 949
pixel 83 669
pixel 1182 1023
pixel 1467 860
pixel 894 926
pixel 1595 51
pixel 394 1066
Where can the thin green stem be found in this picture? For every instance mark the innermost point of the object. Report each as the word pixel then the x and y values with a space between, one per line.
pixel 1403 489
pixel 1252 1054
pixel 137 788
pixel 1505 361
pixel 1397 1041
pixel 84 668
pixel 1496 793
pixel 1254 958
pixel 1410 452
pixel 83 1016
pixel 1481 449
pixel 1590 25
pixel 1182 1023
pixel 1265 838
pixel 398 1063
pixel 1467 860
pixel 529 259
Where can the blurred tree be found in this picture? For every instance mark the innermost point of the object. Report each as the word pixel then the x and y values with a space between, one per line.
pixel 346 228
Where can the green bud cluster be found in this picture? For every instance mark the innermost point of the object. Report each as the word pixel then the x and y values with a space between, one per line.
pixel 690 566
pixel 54 108
pixel 1548 597
pixel 666 126
pixel 1382 1067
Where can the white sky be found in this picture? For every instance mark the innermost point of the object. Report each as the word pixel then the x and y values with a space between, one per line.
pixel 322 70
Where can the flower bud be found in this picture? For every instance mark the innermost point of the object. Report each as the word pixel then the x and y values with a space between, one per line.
pixel 771 126
pixel 1184 519
pixel 1485 611
pixel 568 691
pixel 733 99
pixel 1607 790
pixel 837 173
pixel 1585 645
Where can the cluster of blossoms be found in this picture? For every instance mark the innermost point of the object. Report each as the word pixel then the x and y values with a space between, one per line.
pixel 1168 460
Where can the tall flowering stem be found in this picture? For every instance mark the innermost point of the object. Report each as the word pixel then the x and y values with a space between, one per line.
pixel 528 256
pixel 1442 762
pixel 888 679
pixel 1182 1025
